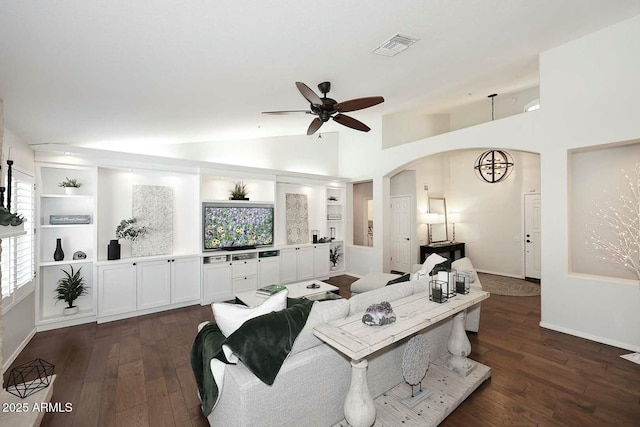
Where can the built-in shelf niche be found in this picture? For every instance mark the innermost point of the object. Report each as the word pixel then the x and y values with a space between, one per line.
pixel 218 187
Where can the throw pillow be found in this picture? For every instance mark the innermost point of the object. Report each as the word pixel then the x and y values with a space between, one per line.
pixel 464 265
pixel 229 317
pixel 434 260
pixel 403 278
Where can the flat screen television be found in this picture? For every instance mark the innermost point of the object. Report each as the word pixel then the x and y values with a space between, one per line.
pixel 233 226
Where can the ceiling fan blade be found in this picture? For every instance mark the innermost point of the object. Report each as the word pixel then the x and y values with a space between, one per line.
pixel 358 104
pixel 314 126
pixel 287 112
pixel 351 122
pixel 309 94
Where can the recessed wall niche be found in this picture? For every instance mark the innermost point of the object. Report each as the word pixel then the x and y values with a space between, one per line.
pixel 597 177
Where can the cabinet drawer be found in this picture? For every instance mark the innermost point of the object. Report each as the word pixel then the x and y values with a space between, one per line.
pixel 245 283
pixel 247 267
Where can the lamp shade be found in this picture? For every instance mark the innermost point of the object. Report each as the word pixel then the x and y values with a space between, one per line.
pixel 454 217
pixel 431 218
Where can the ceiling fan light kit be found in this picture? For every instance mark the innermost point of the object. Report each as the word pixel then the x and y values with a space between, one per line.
pixel 327 108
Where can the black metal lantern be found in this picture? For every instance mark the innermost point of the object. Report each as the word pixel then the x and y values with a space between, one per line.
pixel 494 166
pixel 463 282
pixel 438 290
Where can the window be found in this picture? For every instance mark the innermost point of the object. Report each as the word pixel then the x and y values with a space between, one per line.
pixel 18 253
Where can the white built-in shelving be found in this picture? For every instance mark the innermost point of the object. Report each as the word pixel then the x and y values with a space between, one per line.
pixel 52 200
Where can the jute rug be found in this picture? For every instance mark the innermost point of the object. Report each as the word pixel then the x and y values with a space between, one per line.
pixel 503 285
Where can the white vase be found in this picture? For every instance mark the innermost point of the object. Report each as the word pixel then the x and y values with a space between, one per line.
pixel 334 268
pixel 70 191
pixel 69 311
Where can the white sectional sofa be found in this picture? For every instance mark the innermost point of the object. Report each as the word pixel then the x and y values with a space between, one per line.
pixel 312 384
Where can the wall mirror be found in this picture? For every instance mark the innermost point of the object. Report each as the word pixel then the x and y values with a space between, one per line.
pixel 439 230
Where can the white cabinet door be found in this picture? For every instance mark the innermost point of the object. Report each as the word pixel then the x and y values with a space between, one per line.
pixel 244 284
pixel 320 260
pixel 154 283
pixel 217 284
pixel 185 279
pixel 305 263
pixel 288 265
pixel 268 271
pixel 117 289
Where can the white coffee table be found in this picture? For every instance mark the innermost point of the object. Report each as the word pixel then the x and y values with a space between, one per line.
pixel 296 290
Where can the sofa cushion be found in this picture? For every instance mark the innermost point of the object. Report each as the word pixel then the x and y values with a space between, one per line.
pixel 321 312
pixel 372 281
pixel 403 278
pixel 464 265
pixel 359 303
pixel 229 317
pixel 433 260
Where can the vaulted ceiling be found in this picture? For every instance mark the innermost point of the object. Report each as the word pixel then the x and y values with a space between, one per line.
pixel 169 71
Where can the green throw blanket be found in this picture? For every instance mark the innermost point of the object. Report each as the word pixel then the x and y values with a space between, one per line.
pixel 261 343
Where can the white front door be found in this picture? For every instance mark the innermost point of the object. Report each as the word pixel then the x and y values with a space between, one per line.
pixel 401 233
pixel 532 232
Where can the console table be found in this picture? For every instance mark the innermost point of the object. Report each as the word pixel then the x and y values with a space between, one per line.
pixel 449 248
pixel 413 313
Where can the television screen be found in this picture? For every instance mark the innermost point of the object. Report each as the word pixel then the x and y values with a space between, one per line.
pixel 233 226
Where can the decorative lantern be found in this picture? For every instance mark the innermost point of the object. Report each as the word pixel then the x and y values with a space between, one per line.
pixel 450 277
pixel 463 282
pixel 438 290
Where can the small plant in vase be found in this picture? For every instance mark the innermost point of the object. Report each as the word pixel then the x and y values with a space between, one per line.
pixel 334 256
pixel 127 229
pixel 70 185
pixel 239 192
pixel 69 289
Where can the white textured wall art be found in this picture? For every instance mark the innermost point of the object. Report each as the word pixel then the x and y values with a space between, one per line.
pixel 153 208
pixel 297 219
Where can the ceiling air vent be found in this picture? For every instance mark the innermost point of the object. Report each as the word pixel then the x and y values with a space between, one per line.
pixel 394 45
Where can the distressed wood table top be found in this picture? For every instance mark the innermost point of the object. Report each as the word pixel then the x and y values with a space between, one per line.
pixel 413 313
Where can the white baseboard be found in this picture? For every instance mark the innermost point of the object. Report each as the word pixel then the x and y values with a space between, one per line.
pixel 515 276
pixel 590 337
pixel 15 354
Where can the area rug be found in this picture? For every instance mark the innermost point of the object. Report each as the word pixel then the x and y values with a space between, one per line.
pixel 633 357
pixel 509 286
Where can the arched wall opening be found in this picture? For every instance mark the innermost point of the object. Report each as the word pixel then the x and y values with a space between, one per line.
pixel 491 216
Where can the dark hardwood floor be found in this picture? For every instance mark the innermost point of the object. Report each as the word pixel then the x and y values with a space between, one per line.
pixel 136 372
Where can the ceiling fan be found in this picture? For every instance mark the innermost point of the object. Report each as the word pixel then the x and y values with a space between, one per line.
pixel 327 108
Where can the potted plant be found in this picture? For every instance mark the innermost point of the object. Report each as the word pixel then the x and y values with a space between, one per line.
pixel 127 229
pixel 334 256
pixel 239 192
pixel 69 289
pixel 70 185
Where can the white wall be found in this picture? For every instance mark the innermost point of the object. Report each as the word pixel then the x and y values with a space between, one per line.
pixel 588 93
pixel 19 327
pixel 297 153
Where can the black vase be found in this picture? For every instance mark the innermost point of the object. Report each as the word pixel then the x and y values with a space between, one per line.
pixel 113 250
pixel 58 255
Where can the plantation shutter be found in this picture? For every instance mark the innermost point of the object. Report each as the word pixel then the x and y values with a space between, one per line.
pixel 18 253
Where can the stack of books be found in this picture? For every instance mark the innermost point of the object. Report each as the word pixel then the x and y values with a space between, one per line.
pixel 270 289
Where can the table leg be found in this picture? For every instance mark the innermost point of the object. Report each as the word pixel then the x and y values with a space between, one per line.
pixel 459 347
pixel 359 409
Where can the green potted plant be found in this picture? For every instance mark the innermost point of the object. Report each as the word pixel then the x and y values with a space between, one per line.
pixel 69 289
pixel 334 256
pixel 70 185
pixel 239 191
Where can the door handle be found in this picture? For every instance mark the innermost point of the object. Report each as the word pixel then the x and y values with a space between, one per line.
pixel 407 238
pixel 528 241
